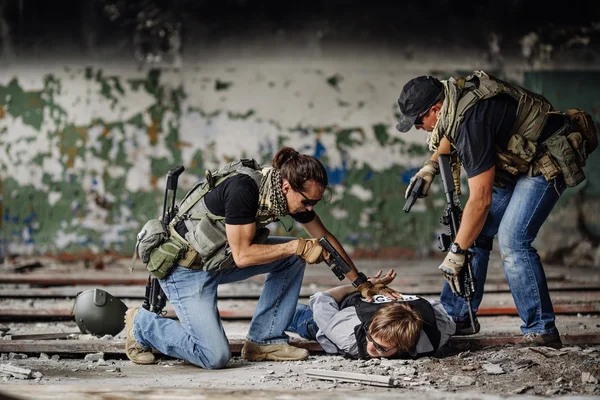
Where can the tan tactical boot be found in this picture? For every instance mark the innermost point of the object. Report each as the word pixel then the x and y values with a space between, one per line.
pixel 134 351
pixel 272 352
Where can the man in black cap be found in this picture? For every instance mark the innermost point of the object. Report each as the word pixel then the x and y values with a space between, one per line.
pixel 502 135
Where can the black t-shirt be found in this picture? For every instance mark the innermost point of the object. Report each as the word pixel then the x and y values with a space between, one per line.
pixel 237 200
pixel 486 124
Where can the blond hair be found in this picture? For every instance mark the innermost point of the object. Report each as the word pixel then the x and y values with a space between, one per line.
pixel 397 324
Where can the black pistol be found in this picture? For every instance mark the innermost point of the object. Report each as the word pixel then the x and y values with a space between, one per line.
pixel 415 193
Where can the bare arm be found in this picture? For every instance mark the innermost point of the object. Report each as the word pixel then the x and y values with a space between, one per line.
pixel 476 209
pixel 443 148
pixel 316 229
pixel 245 253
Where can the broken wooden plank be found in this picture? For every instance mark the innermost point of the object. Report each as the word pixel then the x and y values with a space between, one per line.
pixel 246 311
pixel 354 377
pixel 44 336
pixel 118 346
pixel 17 372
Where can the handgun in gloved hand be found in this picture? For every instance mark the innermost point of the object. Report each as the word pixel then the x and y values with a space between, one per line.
pixel 310 250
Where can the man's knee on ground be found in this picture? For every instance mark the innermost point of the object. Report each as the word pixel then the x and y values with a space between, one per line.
pixel 215 360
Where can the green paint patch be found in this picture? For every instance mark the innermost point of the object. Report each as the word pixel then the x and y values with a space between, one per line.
pixel 203 114
pixel 245 115
pixel 222 85
pixel 350 137
pixel 381 134
pixel 27 105
pixel 137 120
pixel 417 149
pixel 72 143
pixel 334 81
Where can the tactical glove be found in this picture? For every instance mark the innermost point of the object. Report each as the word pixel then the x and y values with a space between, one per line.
pixel 368 290
pixel 310 250
pixel 451 267
pixel 427 173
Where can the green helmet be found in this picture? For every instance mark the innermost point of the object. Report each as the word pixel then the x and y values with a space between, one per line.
pixel 99 313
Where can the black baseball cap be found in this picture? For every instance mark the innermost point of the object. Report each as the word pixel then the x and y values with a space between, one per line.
pixel 418 95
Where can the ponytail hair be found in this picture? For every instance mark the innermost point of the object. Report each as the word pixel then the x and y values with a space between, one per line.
pixel 299 168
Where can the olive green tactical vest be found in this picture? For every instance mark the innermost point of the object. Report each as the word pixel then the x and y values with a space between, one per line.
pixel 522 154
pixel 206 231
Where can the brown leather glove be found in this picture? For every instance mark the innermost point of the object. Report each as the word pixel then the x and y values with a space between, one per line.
pixel 310 250
pixel 368 290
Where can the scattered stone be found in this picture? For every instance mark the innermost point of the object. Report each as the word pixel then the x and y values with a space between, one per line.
pixel 548 351
pixel 17 372
pixel 462 380
pixel 405 370
pixel 493 369
pixel 94 356
pixel 44 356
pixel 552 392
pixel 101 362
pixel 521 390
pixel 17 356
pixel 55 357
pixel 37 375
pixel 107 337
pixel 3 357
pixel 587 377
pixel 470 367
pixel 7 337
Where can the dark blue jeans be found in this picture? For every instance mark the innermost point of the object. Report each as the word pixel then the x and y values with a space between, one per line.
pixel 303 323
pixel 516 216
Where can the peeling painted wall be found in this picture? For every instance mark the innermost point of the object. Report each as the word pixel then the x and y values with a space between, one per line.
pixel 84 149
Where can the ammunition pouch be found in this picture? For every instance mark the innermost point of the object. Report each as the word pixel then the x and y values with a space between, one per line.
pixel 568 160
pixel 583 123
pixel 165 257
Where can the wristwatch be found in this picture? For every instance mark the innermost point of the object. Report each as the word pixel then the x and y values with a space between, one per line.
pixel 455 248
pixel 360 279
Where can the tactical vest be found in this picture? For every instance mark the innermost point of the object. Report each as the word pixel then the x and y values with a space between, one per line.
pixel 524 154
pixel 206 231
pixel 366 311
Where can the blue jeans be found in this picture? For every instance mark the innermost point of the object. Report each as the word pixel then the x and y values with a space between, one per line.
pixel 516 216
pixel 303 323
pixel 199 337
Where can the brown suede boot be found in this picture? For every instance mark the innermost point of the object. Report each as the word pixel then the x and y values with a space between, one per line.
pixel 537 339
pixel 273 352
pixel 133 350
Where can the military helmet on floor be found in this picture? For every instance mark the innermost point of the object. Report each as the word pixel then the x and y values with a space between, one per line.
pixel 99 313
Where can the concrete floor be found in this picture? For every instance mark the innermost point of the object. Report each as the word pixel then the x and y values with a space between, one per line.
pixel 457 372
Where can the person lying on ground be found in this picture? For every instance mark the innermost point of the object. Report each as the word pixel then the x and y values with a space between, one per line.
pixel 345 323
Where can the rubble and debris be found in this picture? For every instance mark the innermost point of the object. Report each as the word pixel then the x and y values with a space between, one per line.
pixel 94 357
pixel 374 380
pixel 17 372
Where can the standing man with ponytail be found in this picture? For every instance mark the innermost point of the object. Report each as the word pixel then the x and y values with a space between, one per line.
pixel 223 221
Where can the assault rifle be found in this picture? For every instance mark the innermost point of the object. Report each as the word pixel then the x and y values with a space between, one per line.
pixel 155 299
pixel 451 219
pixel 415 193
